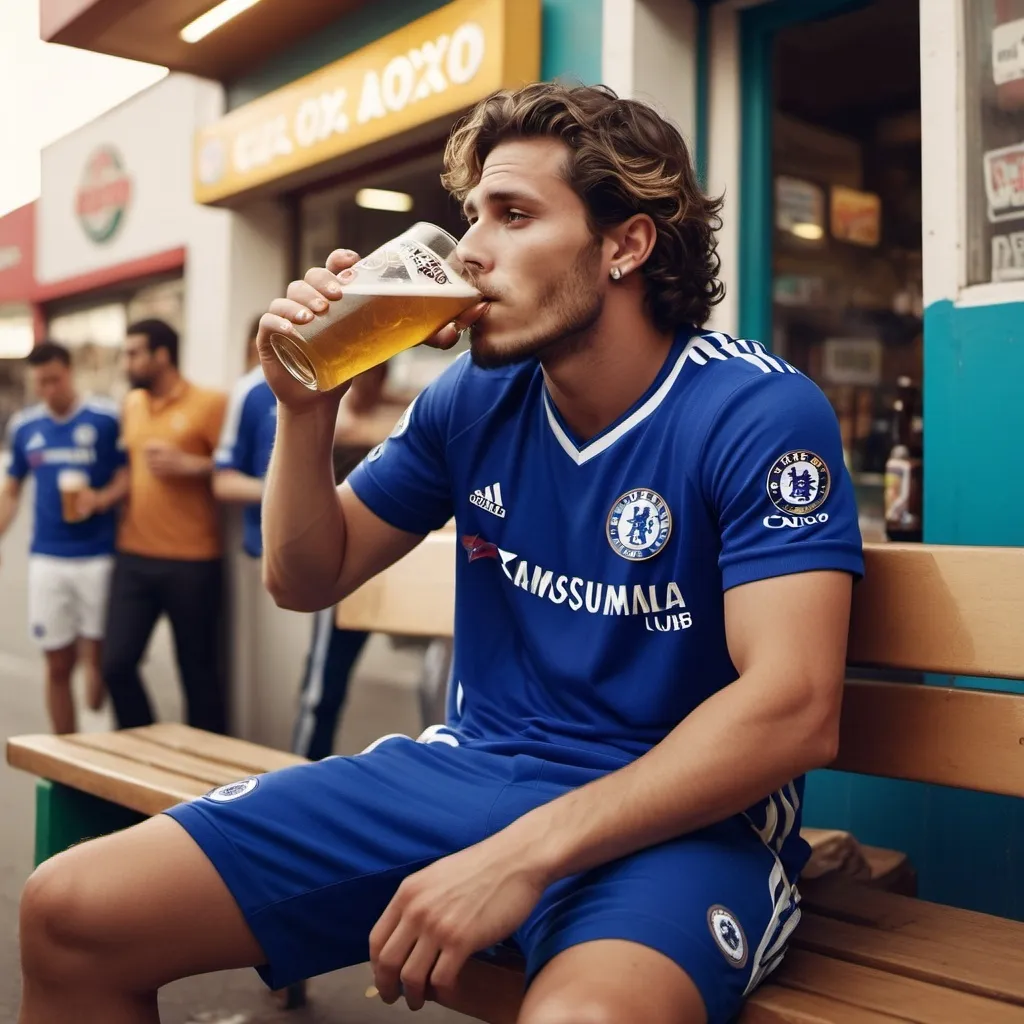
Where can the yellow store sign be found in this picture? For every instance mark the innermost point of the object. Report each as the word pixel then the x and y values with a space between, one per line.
pixel 432 68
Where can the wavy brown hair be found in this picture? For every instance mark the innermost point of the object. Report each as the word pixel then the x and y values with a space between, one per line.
pixel 624 159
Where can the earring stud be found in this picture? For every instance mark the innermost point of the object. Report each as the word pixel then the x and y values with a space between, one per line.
pixel 616 273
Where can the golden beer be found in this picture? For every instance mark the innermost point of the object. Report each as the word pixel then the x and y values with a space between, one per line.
pixel 395 298
pixel 71 483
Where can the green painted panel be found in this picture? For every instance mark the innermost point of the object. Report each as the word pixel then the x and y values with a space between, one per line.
pixel 65 816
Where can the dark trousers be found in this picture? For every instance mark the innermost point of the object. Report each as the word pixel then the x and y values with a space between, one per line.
pixel 332 656
pixel 190 593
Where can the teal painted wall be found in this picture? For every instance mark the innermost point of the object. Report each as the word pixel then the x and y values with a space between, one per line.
pixel 571 35
pixel 968 847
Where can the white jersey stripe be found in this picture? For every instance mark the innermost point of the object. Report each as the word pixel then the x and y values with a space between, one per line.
pixel 233 419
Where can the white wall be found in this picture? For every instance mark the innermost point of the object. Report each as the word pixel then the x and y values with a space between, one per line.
pixel 649 53
pixel 153 132
pixel 724 154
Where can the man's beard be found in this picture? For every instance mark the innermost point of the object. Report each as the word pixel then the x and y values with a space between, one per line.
pixel 146 383
pixel 577 306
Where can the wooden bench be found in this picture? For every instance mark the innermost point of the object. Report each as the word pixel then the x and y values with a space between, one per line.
pixel 861 954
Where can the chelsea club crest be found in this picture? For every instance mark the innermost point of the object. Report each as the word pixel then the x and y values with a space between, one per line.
pixel 639 524
pixel 798 483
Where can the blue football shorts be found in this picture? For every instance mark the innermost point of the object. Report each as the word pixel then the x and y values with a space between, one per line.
pixel 313 854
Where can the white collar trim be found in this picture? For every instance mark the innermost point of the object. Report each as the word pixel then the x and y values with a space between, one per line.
pixel 605 441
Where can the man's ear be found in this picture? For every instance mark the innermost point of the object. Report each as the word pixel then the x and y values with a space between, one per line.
pixel 634 241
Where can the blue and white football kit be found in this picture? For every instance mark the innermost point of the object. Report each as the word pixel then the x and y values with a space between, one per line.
pixel 70 563
pixel 246 441
pixel 589 623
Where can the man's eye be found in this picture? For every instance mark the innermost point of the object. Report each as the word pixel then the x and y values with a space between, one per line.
pixel 514 215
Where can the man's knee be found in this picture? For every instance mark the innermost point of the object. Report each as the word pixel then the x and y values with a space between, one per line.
pixel 572 1006
pixel 56 927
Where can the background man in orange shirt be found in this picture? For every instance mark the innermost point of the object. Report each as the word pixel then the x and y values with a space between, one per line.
pixel 168 544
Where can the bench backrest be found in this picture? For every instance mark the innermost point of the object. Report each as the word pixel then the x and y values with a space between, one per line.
pixel 934 608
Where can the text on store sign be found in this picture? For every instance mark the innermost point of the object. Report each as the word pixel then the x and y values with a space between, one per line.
pixel 406 79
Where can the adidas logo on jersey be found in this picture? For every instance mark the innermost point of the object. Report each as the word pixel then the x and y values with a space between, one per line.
pixel 35 441
pixel 489 499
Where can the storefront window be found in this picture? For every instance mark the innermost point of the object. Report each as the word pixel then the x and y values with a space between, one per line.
pixel 994 69
pixel 846 252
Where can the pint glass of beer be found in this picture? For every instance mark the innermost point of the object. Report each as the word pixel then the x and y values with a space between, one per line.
pixel 393 299
pixel 71 483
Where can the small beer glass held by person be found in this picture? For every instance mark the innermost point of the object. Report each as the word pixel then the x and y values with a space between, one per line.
pixel 168 544
pixel 69 445
pixel 644 669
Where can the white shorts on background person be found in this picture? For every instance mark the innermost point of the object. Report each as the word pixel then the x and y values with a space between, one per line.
pixel 67 599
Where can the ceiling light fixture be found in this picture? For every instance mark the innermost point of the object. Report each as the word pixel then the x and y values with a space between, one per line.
pixel 214 18
pixel 384 199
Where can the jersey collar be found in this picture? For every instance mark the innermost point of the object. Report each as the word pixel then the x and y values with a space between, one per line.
pixel 632 417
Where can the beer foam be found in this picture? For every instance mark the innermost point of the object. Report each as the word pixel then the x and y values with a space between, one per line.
pixel 454 289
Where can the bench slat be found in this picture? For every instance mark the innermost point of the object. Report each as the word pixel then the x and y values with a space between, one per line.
pixel 952 737
pixel 996 974
pixel 488 992
pixel 775 1004
pixel 874 908
pixel 240 756
pixel 882 991
pixel 134 748
pixel 135 786
pixel 940 608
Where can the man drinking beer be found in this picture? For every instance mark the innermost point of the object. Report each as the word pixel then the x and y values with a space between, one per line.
pixel 70 446
pixel 619 791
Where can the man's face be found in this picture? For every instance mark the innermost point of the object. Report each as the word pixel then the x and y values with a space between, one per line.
pixel 139 362
pixel 530 251
pixel 52 383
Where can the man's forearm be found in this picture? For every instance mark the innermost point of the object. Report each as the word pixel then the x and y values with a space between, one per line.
pixel 303 526
pixel 115 491
pixel 232 485
pixel 742 743
pixel 8 510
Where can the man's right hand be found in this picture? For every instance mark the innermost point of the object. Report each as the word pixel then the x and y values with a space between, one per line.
pixel 311 297
pixel 303 301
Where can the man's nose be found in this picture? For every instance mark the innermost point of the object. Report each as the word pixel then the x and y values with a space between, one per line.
pixel 472 251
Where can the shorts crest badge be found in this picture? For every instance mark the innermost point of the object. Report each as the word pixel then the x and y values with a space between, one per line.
pixel 728 935
pixel 798 482
pixel 639 524
pixel 233 790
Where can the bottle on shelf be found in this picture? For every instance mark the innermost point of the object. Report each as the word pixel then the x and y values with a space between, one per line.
pixel 904 469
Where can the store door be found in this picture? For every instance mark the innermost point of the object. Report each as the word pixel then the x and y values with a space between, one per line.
pixel 830 265
pixel 830 243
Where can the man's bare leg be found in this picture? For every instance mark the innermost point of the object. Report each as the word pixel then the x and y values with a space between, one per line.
pixel 610 981
pixel 92 659
pixel 60 702
pixel 106 923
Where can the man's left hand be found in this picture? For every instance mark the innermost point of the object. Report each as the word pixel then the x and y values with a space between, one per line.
pixel 445 913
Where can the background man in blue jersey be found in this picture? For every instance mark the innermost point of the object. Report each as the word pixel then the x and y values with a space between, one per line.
pixel 70 562
pixel 619 790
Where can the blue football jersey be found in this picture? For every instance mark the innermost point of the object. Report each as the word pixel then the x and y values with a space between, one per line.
pixel 589 616
pixel 87 439
pixel 246 442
